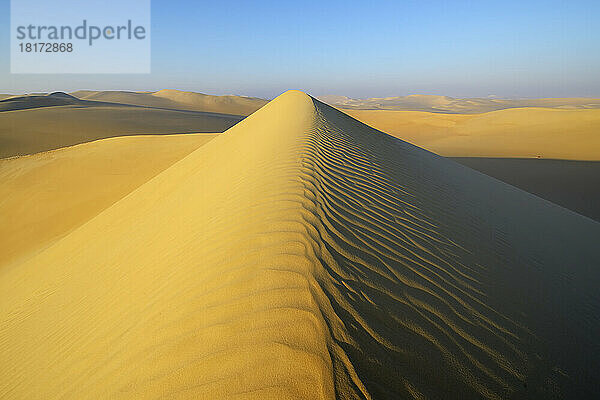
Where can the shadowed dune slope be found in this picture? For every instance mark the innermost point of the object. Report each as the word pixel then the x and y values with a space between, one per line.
pixel 572 184
pixel 46 195
pixel 41 129
pixel 512 133
pixel 303 254
pixel 37 101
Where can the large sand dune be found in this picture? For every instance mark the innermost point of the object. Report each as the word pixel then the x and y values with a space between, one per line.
pixel 179 100
pixel 513 133
pixel 571 184
pixel 40 122
pixel 37 101
pixel 33 130
pixel 303 254
pixel 46 195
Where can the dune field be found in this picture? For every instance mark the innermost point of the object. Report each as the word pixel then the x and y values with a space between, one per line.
pixel 179 100
pixel 32 124
pixel 299 255
pixel 451 105
pixel 510 133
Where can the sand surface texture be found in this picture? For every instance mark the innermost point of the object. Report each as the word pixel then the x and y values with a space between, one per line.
pixel 36 123
pixel 305 255
pixel 46 195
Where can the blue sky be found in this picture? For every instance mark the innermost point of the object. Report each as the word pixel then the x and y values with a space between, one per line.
pixel 359 49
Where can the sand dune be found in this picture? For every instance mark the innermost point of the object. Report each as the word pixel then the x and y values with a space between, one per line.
pixel 34 130
pixel 450 105
pixel 179 100
pixel 46 195
pixel 49 100
pixel 513 133
pixel 303 254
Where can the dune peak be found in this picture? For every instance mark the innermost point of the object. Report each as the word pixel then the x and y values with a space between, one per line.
pixel 62 95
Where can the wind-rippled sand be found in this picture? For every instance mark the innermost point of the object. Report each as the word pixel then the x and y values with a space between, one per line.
pixel 305 255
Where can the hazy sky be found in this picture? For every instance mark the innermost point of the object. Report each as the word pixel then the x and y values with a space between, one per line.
pixel 356 48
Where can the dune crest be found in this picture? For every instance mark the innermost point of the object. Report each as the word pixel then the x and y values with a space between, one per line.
pixel 178 100
pixel 303 254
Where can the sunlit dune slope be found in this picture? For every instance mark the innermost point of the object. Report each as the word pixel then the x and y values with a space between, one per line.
pixel 46 195
pixel 175 99
pixel 514 133
pixel 34 130
pixel 305 255
pixel 238 105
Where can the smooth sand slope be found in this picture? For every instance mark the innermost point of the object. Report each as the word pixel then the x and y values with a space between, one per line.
pixel 305 255
pixel 445 104
pixel 33 130
pixel 180 100
pixel 46 195
pixel 571 184
pixel 512 133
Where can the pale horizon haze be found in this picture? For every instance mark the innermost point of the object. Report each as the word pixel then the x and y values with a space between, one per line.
pixel 509 49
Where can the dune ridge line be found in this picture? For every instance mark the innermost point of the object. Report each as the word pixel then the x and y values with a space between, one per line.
pixel 303 254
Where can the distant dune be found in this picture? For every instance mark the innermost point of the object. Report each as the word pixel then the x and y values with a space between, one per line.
pixel 36 101
pixel 303 254
pixel 175 99
pixel 32 130
pixel 514 133
pixel 49 194
pixel 450 105
pixel 40 122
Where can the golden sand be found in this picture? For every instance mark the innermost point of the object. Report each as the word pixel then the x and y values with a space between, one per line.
pixel 513 133
pixel 451 105
pixel 46 195
pixel 304 255
pixel 179 100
